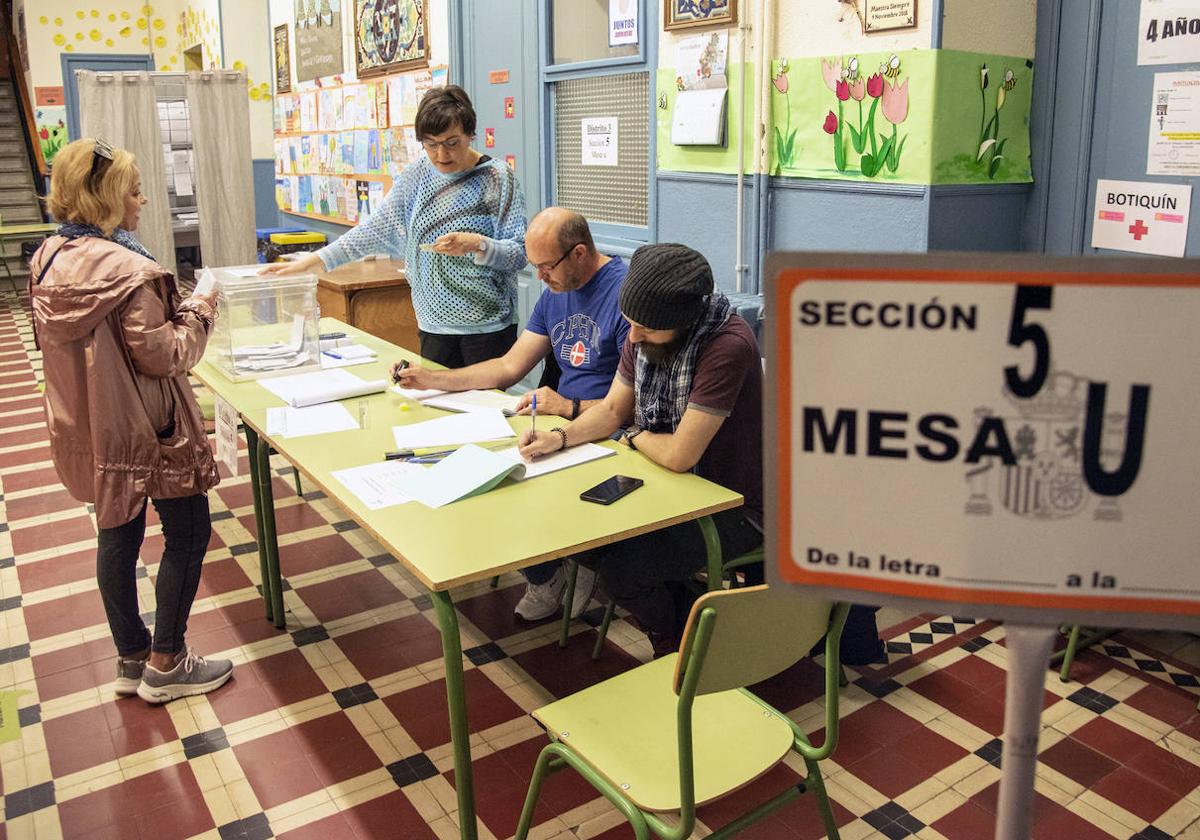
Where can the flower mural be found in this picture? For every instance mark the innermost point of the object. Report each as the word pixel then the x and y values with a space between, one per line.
pixel 785 141
pixel 884 91
pixel 990 147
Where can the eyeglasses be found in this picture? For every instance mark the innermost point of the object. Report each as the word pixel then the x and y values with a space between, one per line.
pixel 451 144
pixel 546 268
pixel 101 151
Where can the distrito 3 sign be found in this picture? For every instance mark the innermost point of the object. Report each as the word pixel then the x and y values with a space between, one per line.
pixel 1014 437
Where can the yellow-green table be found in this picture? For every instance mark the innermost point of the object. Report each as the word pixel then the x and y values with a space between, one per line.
pixel 516 525
pixel 21 233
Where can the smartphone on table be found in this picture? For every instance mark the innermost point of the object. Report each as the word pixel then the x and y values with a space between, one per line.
pixel 608 491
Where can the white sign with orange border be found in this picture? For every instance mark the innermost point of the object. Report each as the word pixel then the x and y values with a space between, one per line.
pixel 1016 437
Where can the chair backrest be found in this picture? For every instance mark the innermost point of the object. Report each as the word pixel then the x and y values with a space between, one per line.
pixel 756 633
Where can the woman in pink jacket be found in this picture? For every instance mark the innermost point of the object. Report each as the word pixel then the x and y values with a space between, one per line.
pixel 117 343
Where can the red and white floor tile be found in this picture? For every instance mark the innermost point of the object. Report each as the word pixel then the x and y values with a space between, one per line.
pixel 336 726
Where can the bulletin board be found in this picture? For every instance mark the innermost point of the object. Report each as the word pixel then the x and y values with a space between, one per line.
pixel 339 147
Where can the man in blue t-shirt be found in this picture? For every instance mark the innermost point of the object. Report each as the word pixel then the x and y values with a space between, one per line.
pixel 576 321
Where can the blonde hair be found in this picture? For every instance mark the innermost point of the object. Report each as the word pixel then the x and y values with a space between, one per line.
pixel 77 196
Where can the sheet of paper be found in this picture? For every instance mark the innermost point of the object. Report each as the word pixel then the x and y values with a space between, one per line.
pixel 1142 216
pixel 321 386
pixel 416 393
pixel 328 362
pixel 473 427
pixel 474 401
pixel 561 460
pixel 314 420
pixel 469 471
pixel 1174 146
pixel 227 435
pixel 378 485
pixel 181 169
pixel 1165 34
pixel 355 351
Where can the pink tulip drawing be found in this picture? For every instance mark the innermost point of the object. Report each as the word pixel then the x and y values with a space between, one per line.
pixel 875 85
pixel 895 102
pixel 858 89
pixel 832 73
pixel 842 90
pixel 831 123
pixel 784 141
pixel 781 83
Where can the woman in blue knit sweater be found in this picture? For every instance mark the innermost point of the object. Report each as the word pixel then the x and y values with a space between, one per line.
pixel 457 219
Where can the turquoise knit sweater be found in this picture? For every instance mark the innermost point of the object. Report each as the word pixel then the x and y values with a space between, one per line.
pixel 451 295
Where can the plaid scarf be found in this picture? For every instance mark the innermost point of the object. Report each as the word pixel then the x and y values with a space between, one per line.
pixel 122 237
pixel 661 391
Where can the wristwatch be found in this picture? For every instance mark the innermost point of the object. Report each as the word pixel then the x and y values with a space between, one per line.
pixel 629 434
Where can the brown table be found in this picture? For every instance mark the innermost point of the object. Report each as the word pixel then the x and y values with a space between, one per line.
pixel 372 295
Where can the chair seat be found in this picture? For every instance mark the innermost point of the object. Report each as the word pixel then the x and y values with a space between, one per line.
pixel 625 729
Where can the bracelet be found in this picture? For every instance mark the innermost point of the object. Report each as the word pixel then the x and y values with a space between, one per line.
pixel 562 433
pixel 574 408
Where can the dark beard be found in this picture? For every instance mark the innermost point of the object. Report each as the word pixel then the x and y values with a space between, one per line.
pixel 661 354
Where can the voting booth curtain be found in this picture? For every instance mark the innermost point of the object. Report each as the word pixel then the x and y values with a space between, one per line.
pixel 220 117
pixel 120 108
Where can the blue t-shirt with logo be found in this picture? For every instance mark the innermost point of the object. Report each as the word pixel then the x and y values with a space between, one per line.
pixel 586 331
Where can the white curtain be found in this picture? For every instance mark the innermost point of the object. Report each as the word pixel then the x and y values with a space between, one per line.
pixel 219 110
pixel 120 108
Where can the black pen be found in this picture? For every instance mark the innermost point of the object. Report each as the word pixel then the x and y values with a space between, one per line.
pixel 403 366
pixel 398 455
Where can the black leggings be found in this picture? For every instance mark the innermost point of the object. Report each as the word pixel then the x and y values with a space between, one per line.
pixel 455 351
pixel 186 529
pixel 643 574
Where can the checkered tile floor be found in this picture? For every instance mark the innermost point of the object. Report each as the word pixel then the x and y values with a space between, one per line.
pixel 336 726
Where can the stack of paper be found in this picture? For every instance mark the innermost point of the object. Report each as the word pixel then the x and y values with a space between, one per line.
pixel 473 427
pixel 276 356
pixel 469 471
pixel 461 401
pixel 347 355
pixel 314 420
pixel 555 461
pixel 322 386
pixel 378 485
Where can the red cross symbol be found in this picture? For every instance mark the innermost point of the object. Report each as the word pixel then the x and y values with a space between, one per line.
pixel 578 354
pixel 1138 230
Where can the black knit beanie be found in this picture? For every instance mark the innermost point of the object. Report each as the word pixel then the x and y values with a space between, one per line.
pixel 666 286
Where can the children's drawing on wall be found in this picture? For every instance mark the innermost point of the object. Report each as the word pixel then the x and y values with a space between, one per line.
pixel 785 140
pixel 989 140
pixel 991 145
pixel 51 129
pixel 885 91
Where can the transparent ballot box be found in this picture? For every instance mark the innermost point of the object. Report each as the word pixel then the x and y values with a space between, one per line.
pixel 266 326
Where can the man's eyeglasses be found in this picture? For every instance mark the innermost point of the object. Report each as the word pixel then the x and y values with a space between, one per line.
pixel 548 267
pixel 101 152
pixel 451 144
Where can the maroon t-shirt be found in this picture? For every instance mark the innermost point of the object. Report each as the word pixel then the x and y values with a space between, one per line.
pixel 728 382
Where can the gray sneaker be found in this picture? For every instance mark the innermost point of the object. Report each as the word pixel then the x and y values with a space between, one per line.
pixel 129 675
pixel 192 674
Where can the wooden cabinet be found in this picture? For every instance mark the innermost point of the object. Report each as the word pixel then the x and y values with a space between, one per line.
pixel 372 295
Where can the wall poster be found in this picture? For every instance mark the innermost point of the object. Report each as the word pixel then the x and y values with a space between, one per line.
pixel 390 35
pixel 283 60
pixel 1168 32
pixel 318 38
pixel 1174 145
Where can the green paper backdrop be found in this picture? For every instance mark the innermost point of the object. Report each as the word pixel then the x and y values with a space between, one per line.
pixel 942 132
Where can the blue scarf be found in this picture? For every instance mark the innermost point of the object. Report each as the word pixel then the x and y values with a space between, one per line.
pixel 73 230
pixel 661 391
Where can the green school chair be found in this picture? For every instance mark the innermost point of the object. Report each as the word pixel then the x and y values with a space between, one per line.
pixel 1078 638
pixel 683 731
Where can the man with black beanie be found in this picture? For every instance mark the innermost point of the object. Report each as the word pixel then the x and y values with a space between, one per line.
pixel 689 388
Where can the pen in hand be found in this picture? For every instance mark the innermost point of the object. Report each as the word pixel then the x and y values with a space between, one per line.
pixel 403 366
pixel 533 414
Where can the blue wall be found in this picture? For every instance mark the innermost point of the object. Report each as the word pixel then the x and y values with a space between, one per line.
pixel 265 213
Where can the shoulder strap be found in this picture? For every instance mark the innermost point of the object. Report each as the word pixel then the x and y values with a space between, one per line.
pixel 50 260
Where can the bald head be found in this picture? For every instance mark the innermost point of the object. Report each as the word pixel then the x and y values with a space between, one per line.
pixel 558 243
pixel 559 229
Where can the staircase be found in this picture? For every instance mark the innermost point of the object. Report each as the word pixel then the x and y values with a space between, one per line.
pixel 19 202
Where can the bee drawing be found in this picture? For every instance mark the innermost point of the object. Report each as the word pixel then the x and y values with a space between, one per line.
pixel 892 68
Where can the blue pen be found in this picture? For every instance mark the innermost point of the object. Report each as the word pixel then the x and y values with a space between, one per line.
pixel 331 354
pixel 533 415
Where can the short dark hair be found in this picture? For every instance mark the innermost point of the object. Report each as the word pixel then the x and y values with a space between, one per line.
pixel 441 108
pixel 573 231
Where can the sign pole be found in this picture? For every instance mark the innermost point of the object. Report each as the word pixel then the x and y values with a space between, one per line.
pixel 1028 657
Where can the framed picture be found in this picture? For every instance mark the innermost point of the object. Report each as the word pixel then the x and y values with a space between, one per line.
pixel 390 35
pixel 681 14
pixel 318 37
pixel 884 15
pixel 283 60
